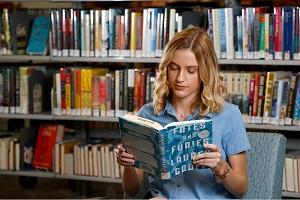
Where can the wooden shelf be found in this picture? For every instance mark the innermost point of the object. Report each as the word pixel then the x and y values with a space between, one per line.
pixel 49 59
pixel 32 173
pixel 258 62
pixel 106 59
pixel 86 118
pixel 88 178
pixel 36 173
pixel 115 119
pixel 24 58
pixel 272 127
pixel 27 116
pixel 291 194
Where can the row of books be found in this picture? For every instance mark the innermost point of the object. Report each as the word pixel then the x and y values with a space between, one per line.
pixel 30 148
pixel 291 171
pixel 24 32
pixel 265 97
pixel 98 92
pixel 24 90
pixel 255 33
pixel 120 32
pixel 75 157
pixel 46 150
pixel 9 152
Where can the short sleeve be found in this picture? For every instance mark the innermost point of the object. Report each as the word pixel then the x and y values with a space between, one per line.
pixel 235 140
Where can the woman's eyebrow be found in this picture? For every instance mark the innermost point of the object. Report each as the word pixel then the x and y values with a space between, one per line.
pixel 174 64
pixel 185 66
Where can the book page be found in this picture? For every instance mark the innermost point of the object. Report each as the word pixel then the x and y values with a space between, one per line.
pixel 142 121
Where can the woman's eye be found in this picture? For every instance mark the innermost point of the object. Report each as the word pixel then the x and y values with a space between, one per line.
pixel 173 67
pixel 192 70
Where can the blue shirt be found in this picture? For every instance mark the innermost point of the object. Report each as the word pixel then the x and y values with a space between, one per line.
pixel 229 135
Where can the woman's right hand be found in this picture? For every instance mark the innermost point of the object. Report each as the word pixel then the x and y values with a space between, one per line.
pixel 123 158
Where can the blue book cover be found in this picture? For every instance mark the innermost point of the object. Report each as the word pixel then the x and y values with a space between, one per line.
pixel 223 33
pixel 288 32
pixel 38 42
pixel 164 151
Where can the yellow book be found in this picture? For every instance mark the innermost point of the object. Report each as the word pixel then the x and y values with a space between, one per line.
pixel 133 34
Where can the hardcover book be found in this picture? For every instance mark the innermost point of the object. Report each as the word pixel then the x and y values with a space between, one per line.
pixel 38 42
pixel 164 151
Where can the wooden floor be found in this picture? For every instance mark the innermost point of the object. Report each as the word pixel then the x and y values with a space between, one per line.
pixel 57 189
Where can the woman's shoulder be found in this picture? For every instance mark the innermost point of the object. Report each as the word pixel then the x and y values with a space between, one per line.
pixel 229 107
pixel 147 109
pixel 229 111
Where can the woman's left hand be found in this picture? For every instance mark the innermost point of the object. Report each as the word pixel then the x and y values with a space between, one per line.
pixel 211 158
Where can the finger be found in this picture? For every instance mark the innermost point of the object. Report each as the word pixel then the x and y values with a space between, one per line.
pixel 211 147
pixel 120 147
pixel 125 161
pixel 207 155
pixel 211 163
pixel 125 155
pixel 206 161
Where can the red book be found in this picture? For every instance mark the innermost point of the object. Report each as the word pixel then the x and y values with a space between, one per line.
pixel 48 135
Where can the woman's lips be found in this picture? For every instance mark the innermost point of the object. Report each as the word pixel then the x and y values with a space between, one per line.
pixel 180 87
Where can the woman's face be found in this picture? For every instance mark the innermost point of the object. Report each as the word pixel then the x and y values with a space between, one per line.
pixel 183 75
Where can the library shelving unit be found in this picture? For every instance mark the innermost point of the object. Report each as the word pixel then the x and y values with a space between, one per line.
pixel 154 61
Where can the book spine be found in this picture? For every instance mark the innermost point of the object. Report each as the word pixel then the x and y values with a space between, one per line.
pixel 108 94
pixel 76 31
pixel 296 33
pixel 216 32
pixel 245 33
pixel 288 33
pixel 291 101
pixel 71 32
pixel 53 34
pixel 92 34
pixel 271 37
pixel 163 165
pixel 104 31
pixel 277 33
pixel 83 51
pixel 284 101
pixel 229 33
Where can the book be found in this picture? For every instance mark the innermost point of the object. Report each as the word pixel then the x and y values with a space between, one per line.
pixel 38 41
pixel 48 135
pixel 164 151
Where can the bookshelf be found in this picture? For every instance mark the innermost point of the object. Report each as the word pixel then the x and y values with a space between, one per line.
pixel 121 60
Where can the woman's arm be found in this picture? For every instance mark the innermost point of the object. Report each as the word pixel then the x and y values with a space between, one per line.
pixel 131 180
pixel 233 174
pixel 131 177
pixel 236 181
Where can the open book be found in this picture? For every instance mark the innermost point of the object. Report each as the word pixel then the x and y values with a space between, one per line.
pixel 164 151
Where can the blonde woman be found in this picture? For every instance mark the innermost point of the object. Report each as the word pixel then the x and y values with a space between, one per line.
pixel 188 87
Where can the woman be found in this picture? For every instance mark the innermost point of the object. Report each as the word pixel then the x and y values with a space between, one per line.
pixel 188 87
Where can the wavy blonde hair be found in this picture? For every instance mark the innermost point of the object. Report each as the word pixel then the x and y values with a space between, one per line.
pixel 212 91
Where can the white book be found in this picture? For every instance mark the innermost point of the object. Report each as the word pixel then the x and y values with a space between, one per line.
pixel 289 172
pixel 82 34
pixel 145 33
pixel 245 33
pixel 104 31
pixel 99 158
pixel 275 119
pixel 229 32
pixel 172 23
pixel 216 32
pixel 87 34
pixel 17 157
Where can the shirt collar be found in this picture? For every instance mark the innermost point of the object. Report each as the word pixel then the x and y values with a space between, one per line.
pixel 169 109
